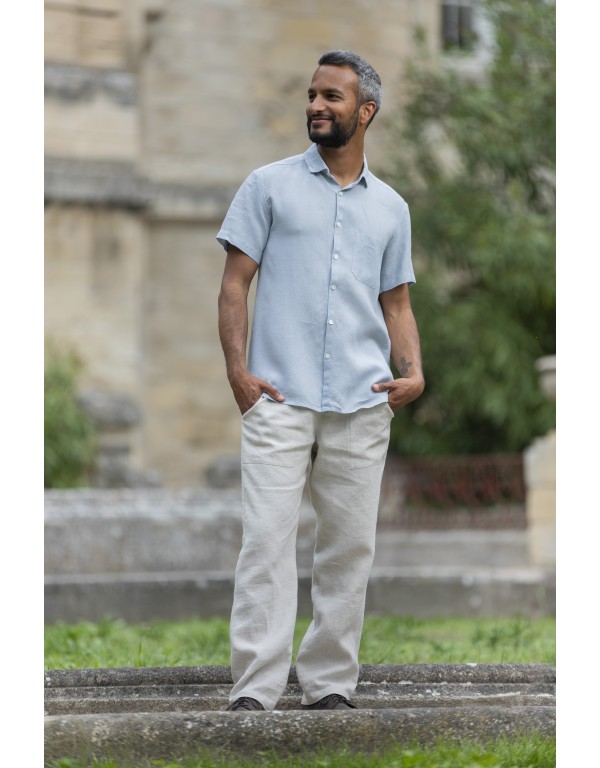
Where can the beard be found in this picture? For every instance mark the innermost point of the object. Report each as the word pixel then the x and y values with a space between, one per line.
pixel 339 134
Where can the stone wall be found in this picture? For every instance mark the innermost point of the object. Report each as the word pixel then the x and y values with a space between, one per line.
pixel 155 113
pixel 225 83
pixel 190 414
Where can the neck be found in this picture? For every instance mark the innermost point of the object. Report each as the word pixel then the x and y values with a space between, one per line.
pixel 345 163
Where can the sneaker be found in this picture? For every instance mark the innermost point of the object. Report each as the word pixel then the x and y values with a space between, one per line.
pixel 333 701
pixel 245 702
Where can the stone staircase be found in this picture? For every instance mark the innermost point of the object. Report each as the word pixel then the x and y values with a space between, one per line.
pixel 168 713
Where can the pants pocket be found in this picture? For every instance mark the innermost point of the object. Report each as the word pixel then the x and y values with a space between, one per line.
pixel 268 434
pixel 369 436
pixel 253 407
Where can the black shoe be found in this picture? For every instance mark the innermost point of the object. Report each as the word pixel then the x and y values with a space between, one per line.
pixel 333 701
pixel 245 702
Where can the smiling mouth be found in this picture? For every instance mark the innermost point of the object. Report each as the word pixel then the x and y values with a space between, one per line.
pixel 320 120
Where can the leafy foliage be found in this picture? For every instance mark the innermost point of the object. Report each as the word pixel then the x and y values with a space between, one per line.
pixel 69 444
pixel 475 157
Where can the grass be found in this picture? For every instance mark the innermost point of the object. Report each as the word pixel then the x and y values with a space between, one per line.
pixel 530 752
pixel 385 640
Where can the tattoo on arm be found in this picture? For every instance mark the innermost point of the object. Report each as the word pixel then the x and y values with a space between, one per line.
pixel 404 366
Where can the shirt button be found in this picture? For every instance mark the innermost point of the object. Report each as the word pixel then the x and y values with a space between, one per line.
pixel 327 355
pixel 341 194
pixel 336 255
pixel 338 223
pixel 333 287
pixel 331 322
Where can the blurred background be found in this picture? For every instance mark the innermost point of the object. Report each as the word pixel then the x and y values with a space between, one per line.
pixel 156 111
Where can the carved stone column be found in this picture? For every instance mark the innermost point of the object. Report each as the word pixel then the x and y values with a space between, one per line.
pixel 115 415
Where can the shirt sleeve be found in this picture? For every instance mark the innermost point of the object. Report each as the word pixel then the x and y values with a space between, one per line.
pixel 396 267
pixel 248 220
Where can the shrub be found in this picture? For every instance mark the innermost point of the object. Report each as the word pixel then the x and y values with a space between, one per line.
pixel 69 435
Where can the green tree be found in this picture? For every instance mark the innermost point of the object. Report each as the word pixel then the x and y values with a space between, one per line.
pixel 69 444
pixel 475 157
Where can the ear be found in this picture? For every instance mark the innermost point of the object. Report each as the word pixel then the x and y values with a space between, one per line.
pixel 366 112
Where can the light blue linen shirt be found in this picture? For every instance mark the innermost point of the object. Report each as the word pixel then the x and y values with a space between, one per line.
pixel 324 254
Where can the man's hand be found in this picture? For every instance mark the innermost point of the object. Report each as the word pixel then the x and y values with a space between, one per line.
pixel 247 390
pixel 401 391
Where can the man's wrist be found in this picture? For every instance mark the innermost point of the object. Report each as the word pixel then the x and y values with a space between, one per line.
pixel 415 380
pixel 235 374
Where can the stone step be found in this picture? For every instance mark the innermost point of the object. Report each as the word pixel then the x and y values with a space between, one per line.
pixel 186 689
pixel 374 673
pixel 367 696
pixel 168 713
pixel 155 736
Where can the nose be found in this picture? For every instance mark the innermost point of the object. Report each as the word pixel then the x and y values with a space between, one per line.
pixel 316 106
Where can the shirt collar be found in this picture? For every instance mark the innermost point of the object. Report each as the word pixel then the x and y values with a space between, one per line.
pixel 316 164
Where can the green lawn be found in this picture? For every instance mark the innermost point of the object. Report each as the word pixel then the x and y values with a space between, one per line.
pixel 388 640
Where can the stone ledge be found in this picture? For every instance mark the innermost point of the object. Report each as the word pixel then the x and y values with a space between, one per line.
pixel 75 83
pixel 202 530
pixel 118 184
pixel 418 592
pixel 112 183
pixel 173 735
pixel 127 503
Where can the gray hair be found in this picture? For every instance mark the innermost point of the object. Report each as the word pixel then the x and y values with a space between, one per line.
pixel 369 82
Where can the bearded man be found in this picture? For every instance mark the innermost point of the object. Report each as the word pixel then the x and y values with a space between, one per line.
pixel 332 247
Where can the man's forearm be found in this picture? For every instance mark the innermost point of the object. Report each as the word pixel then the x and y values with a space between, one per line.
pixel 233 328
pixel 406 347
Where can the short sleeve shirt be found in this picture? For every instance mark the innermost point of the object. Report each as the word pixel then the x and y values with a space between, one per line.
pixel 324 255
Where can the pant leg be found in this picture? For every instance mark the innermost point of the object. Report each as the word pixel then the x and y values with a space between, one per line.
pixel 345 483
pixel 276 446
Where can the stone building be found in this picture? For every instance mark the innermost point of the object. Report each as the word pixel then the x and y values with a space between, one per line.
pixel 155 112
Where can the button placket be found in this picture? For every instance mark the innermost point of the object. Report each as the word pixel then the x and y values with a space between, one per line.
pixel 330 323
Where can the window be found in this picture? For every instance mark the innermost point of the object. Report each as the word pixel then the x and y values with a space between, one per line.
pixel 457 26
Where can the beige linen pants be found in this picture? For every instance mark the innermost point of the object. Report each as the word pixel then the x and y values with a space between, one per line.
pixel 344 481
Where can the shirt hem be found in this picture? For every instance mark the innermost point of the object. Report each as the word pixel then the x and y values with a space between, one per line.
pixel 226 240
pixel 298 403
pixel 395 282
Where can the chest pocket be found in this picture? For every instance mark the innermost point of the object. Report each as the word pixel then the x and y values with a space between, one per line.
pixel 366 260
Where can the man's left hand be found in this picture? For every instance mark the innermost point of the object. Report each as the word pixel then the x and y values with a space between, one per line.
pixel 401 391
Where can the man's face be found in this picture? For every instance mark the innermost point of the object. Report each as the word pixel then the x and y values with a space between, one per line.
pixel 332 111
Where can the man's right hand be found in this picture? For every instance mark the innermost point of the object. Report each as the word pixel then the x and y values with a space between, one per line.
pixel 248 389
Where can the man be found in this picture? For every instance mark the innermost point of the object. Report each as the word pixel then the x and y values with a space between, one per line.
pixel 332 246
